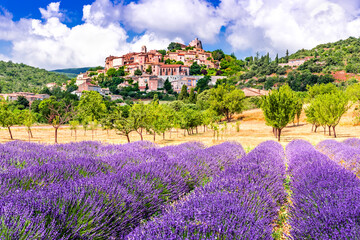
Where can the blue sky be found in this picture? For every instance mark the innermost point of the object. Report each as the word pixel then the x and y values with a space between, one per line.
pixel 62 34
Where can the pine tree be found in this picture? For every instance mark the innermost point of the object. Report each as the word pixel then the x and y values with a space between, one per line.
pixel 184 93
pixel 287 56
pixel 192 96
pixel 167 86
pixel 277 59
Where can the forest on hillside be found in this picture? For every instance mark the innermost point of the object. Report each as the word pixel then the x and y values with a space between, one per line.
pixel 23 78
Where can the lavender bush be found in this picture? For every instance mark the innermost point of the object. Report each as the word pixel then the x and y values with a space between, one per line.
pixel 326 196
pixel 241 203
pixel 93 191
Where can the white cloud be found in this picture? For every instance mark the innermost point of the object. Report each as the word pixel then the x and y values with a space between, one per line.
pixel 275 26
pixel 176 18
pixel 51 44
pixel 52 10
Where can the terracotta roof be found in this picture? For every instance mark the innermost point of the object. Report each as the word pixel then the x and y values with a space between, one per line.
pixel 172 66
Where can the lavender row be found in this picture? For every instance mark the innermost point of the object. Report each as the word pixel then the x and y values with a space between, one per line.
pixel 241 203
pixel 80 198
pixel 326 197
pixel 347 154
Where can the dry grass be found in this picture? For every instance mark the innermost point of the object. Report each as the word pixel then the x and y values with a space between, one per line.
pixel 252 132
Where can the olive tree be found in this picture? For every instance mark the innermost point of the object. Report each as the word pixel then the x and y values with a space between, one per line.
pixel 329 108
pixel 226 100
pixel 279 108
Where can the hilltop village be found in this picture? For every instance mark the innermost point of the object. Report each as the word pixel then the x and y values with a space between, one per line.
pixel 150 69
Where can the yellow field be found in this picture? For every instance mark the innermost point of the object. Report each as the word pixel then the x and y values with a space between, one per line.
pixel 252 132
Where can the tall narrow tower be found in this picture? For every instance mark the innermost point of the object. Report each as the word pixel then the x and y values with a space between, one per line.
pixel 144 49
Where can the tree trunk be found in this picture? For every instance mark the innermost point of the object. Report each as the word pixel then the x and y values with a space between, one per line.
pixel 279 133
pixel 11 136
pixel 56 134
pixel 214 134
pixel 154 136
pixel 316 126
pixel 75 134
pixel 324 130
pixel 204 128
pixel 71 132
pixel 329 131
pixel 29 135
pixel 128 138
pixel 184 132
pixel 334 131
pixel 312 128
pixel 141 136
pixel 92 135
pixel 163 135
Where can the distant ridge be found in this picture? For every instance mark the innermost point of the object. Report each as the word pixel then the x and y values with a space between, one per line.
pixel 71 72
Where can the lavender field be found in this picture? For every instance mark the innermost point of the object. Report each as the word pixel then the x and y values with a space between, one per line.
pixel 141 191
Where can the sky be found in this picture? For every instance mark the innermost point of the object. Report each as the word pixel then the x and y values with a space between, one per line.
pixel 70 33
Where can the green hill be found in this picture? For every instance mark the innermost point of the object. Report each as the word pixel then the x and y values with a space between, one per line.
pixel 22 78
pixel 71 72
pixel 337 56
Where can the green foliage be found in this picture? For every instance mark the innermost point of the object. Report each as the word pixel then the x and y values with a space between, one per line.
pixel 149 70
pixel 22 103
pixel 218 54
pixel 22 78
pixel 279 108
pixel 195 69
pixel 192 96
pixel 94 69
pixel 320 89
pixel 174 46
pixel 353 91
pixel 183 94
pixel 226 100
pixel 299 81
pixel 163 52
pixel 202 101
pixel 327 109
pixel 137 72
pixel 91 105
pixel 203 84
pixel 168 86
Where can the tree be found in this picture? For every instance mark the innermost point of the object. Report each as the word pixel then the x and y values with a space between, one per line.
pixel 278 108
pixel 120 122
pixel 203 84
pixel 22 102
pixel 149 69
pixel 277 59
pixel 329 108
pixel 137 72
pixel 111 72
pixel 57 112
pixel 218 54
pixel 183 94
pixel 192 96
pixel 8 117
pixel 195 69
pixel 287 56
pixel 28 119
pixel 226 100
pixel 202 100
pixel 174 46
pixel 91 105
pixel 168 86
pixel 74 126
pixel 139 114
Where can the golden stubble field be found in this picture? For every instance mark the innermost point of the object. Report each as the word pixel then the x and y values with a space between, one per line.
pixel 252 132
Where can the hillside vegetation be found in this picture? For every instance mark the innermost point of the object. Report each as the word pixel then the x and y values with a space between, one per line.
pixel 23 78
